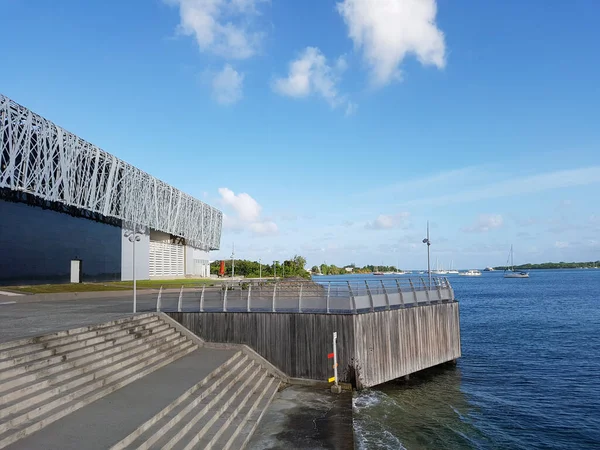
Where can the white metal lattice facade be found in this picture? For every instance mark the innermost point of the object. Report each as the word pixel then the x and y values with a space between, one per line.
pixel 39 158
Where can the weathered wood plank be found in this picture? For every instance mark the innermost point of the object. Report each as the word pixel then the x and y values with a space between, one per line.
pixel 427 336
pixel 372 348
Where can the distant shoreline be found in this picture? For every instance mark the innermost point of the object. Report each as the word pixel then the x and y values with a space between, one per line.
pixel 560 265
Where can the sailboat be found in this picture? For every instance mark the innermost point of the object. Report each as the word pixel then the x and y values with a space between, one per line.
pixel 510 271
pixel 398 271
pixel 452 269
pixel 437 270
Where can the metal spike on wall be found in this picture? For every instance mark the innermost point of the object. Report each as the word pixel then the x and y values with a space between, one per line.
pixel 39 158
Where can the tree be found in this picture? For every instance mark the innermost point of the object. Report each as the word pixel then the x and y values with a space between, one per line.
pixel 314 269
pixel 299 261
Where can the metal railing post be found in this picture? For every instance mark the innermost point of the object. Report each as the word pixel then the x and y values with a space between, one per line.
pixel 450 291
pixel 370 296
pixel 158 300
pixel 328 293
pixel 225 298
pixel 248 299
pixel 439 289
pixel 426 291
pixel 300 299
pixel 352 299
pixel 179 300
pixel 387 299
pixel 412 286
pixel 202 299
pixel 400 292
pixel 274 293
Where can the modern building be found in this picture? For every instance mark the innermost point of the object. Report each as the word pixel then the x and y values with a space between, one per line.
pixel 66 203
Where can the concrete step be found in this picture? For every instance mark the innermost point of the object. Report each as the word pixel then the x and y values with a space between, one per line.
pixel 102 424
pixel 63 345
pixel 231 423
pixel 49 363
pixel 91 366
pixel 38 417
pixel 167 418
pixel 239 439
pixel 208 410
pixel 171 425
pixel 31 352
pixel 86 381
pixel 207 436
pixel 7 346
pixel 91 356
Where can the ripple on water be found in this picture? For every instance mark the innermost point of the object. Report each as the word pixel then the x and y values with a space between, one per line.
pixel 527 378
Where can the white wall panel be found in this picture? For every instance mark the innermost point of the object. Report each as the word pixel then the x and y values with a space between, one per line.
pixel 166 260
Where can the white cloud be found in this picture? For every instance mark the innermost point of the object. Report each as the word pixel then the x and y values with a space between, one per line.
pixel 485 223
pixel 386 222
pixel 243 204
pixel 561 244
pixel 222 27
pixel 341 64
pixel 388 30
pixel 247 216
pixel 351 108
pixel 227 85
pixel 413 186
pixel 266 227
pixel 310 74
pixel 517 186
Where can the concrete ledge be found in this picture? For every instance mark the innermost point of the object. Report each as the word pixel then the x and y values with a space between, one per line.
pixel 183 330
pixel 225 346
pixel 317 384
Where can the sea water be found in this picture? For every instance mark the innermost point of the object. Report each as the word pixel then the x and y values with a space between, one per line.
pixel 529 376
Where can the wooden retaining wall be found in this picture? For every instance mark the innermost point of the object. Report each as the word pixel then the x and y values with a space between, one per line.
pixel 391 344
pixel 372 348
pixel 297 344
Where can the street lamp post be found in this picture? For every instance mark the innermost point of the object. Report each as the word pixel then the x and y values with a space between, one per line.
pixel 133 237
pixel 233 261
pixel 428 242
pixel 259 268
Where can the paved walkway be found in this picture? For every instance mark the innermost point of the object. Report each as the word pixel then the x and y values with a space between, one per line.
pixel 26 317
pixel 105 422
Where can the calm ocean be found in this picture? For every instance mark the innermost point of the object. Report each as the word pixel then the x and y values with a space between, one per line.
pixel 529 376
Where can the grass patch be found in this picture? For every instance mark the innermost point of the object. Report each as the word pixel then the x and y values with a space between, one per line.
pixel 106 286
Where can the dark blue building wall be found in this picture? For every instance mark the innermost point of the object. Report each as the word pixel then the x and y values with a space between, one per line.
pixel 37 245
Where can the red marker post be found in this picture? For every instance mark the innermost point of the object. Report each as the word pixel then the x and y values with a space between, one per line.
pixel 334 378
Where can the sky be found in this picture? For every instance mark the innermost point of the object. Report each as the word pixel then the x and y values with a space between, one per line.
pixel 336 129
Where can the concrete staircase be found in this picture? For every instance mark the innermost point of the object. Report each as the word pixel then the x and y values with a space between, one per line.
pixel 220 412
pixel 43 379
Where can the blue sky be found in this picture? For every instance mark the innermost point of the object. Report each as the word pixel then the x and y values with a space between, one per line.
pixel 336 129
